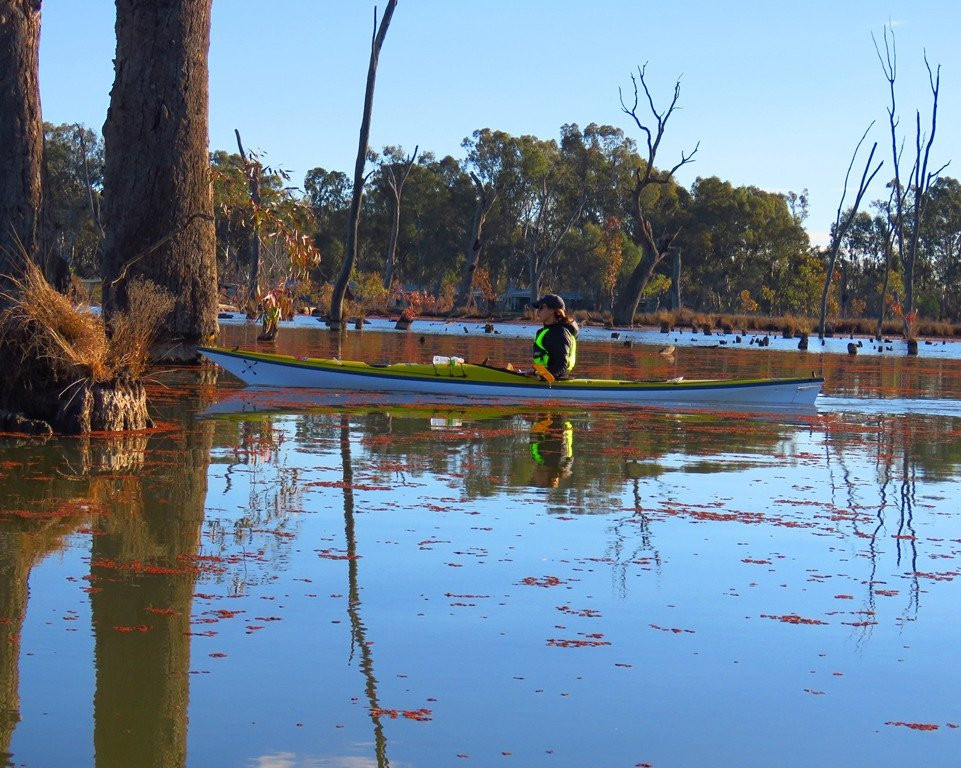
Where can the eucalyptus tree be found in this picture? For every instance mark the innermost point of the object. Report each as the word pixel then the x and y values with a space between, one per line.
pixel 261 209
pixel 654 245
pixel 72 191
pixel 395 167
pixel 328 193
pixel 742 241
pixel 21 135
pixel 492 163
pixel 158 211
pixel 555 192
pixel 940 242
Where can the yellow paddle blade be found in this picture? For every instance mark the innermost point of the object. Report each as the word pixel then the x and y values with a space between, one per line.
pixel 544 373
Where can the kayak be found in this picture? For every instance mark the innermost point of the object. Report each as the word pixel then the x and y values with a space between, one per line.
pixel 451 376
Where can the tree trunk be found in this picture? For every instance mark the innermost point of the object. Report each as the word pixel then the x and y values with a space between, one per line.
pixel 475 242
pixel 353 220
pixel 630 295
pixel 391 259
pixel 676 280
pixel 158 210
pixel 21 134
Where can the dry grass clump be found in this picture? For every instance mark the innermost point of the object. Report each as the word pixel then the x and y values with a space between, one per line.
pixel 45 339
pixel 134 331
pixel 43 335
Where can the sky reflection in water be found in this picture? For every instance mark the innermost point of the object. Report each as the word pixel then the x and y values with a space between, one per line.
pixel 392 586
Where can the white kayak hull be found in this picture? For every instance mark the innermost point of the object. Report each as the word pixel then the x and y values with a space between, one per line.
pixel 466 380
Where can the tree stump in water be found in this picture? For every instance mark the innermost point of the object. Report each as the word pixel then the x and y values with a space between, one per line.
pixel 115 406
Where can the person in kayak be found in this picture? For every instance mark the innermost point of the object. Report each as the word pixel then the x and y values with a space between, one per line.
pixel 555 345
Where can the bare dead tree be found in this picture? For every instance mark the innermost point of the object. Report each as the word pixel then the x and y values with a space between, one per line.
pixel 919 178
pixel 654 247
pixel 841 227
pixel 353 219
pixel 395 175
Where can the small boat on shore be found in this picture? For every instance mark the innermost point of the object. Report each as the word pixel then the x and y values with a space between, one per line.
pixel 453 377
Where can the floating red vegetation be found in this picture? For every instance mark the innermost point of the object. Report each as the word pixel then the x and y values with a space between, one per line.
pixel 137 567
pixel 587 613
pixel 543 581
pixel 422 715
pixel 793 618
pixel 756 562
pixel 675 630
pixel 592 640
pixel 946 576
pixel 844 597
pixel 914 726
pixel 138 628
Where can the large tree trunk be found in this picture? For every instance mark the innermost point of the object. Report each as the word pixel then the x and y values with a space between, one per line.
pixel 625 307
pixel 158 210
pixel 21 133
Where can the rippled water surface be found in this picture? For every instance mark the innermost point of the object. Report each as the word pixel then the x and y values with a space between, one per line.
pixel 271 581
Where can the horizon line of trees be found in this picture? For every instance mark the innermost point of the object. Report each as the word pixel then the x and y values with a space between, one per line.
pixel 556 216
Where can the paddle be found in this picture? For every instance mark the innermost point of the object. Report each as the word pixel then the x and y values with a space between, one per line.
pixel 544 373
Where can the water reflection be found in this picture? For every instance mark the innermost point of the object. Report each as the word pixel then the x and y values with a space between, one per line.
pixel 144 568
pixel 442 511
pixel 358 632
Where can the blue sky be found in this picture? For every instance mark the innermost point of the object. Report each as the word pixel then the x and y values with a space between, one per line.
pixel 777 93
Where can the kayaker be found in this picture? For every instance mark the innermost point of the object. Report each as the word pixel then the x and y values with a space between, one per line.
pixel 555 345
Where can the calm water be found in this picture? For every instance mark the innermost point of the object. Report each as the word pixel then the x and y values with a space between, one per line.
pixel 362 584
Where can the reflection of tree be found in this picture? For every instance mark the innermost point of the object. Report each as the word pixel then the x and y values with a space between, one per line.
pixel 60 490
pixel 358 630
pixel 893 448
pixel 144 574
pixel 637 526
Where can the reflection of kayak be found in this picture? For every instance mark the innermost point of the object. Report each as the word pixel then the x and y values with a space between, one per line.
pixel 464 379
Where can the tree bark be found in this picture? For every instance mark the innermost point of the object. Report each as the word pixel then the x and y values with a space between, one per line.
pixel 475 242
pixel 353 220
pixel 158 210
pixel 21 134
pixel 676 280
